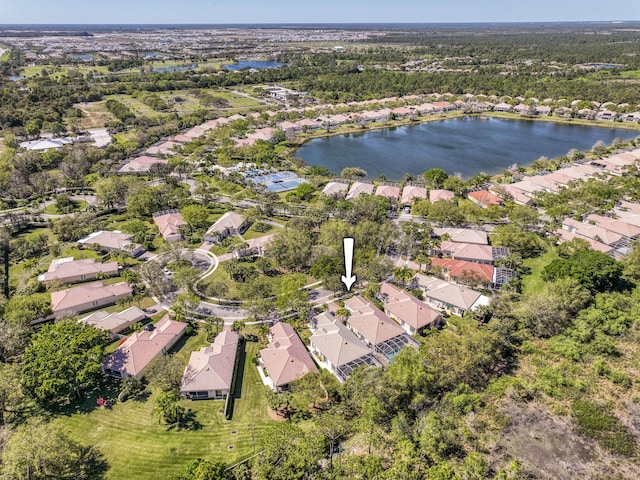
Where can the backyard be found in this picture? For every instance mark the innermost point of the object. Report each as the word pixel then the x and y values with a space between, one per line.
pixel 137 446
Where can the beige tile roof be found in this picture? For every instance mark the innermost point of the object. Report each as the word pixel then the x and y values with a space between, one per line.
pixel 388 191
pixel 141 164
pixel 334 188
pixel 618 226
pixel 286 358
pixel 169 224
pixel 595 232
pixel 371 322
pixel 75 297
pixel 566 236
pixel 467 250
pixel 408 308
pixel 112 240
pixel 464 235
pixel 337 343
pixel 65 268
pixel 439 194
pixel 230 220
pixel 410 192
pixel 359 188
pixel 114 322
pixel 211 368
pixel 447 293
pixel 135 353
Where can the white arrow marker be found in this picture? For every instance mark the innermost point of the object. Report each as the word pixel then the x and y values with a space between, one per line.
pixel 348 279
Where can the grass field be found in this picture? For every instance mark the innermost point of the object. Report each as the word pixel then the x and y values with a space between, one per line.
pixel 533 283
pixel 137 447
pixel 95 114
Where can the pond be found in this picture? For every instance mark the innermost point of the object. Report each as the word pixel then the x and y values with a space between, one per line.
pixel 257 64
pixel 466 145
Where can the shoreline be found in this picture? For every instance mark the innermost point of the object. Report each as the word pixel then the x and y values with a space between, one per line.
pixel 303 138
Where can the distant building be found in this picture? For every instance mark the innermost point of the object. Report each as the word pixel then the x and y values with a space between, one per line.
pixel 141 164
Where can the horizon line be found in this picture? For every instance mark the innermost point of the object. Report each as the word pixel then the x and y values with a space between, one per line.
pixel 334 23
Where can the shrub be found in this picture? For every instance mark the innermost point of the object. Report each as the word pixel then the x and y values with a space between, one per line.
pixel 597 422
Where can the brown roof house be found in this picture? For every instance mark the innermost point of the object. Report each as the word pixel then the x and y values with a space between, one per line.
pixel 470 252
pixel 68 270
pixel 136 352
pixel 484 198
pixel 447 296
pixel 89 296
pixel 414 315
pixel 113 240
pixel 468 273
pixel 169 224
pixel 377 329
pixel 209 374
pixel 114 322
pixel 255 247
pixel 337 348
pixel 229 224
pixel 436 195
pixel 464 235
pixel 285 359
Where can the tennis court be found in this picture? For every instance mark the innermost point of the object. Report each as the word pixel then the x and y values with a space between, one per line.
pixel 279 181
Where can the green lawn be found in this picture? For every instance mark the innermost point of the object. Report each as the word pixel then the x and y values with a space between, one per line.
pixel 533 283
pixel 253 233
pixel 79 205
pixel 137 447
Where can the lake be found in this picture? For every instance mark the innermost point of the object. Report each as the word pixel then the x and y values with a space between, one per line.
pixel 257 64
pixel 468 145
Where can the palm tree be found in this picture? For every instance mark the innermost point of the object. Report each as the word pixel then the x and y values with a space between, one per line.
pixel 167 408
pixel 403 274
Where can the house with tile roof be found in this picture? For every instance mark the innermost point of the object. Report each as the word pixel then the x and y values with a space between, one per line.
pixel 336 189
pixel 169 224
pixel 413 314
pixel 68 270
pixel 631 232
pixel 462 235
pixel 136 352
pixel 469 252
pixel 390 191
pixel 255 247
pixel 115 322
pixel 229 224
pixel 467 273
pixel 437 194
pixel 484 198
pixel 446 296
pixel 409 192
pixel 210 371
pixel 359 188
pixel 379 331
pixel 109 241
pixel 337 348
pixel 141 164
pixel 89 296
pixel 285 359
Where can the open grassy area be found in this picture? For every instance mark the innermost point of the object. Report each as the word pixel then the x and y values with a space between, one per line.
pixel 136 446
pixel 533 282
pixel 79 205
pixel 95 114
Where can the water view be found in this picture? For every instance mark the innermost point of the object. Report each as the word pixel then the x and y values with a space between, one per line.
pixel 257 64
pixel 468 145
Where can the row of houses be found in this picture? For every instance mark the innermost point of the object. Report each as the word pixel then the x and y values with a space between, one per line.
pixel 406 195
pixel 524 191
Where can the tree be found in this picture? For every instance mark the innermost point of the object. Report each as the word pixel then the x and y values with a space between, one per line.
pixel 403 274
pixel 352 172
pixel 196 215
pixel 165 373
pixel 22 309
pixel 596 271
pixel 63 361
pixel 43 451
pixel 201 469
pixel 291 249
pixel 167 408
pixel 435 177
pixel 456 185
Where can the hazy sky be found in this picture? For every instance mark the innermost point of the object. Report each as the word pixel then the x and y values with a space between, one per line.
pixel 311 11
